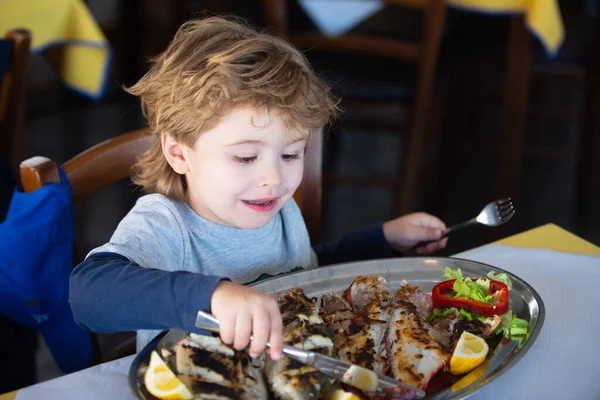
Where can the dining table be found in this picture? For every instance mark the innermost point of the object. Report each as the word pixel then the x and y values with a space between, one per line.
pixel 562 363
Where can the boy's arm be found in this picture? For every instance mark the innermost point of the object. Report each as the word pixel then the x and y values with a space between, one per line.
pixel 366 244
pixel 109 293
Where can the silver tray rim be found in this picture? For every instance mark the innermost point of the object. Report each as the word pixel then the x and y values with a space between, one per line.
pixel 318 281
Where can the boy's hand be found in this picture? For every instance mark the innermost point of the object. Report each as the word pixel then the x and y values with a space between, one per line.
pixel 241 312
pixel 405 232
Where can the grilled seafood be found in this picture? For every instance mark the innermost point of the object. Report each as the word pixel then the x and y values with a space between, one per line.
pixel 368 294
pixel 414 356
pixel 441 331
pixel 363 325
pixel 303 328
pixel 358 320
pixel 216 371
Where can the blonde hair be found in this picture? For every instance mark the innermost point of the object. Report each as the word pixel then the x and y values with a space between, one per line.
pixel 212 66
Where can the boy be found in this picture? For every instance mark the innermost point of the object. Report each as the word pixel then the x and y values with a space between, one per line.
pixel 232 110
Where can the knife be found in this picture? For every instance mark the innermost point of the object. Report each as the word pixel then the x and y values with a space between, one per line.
pixel 170 339
pixel 353 375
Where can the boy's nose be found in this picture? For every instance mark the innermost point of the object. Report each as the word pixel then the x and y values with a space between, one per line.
pixel 271 176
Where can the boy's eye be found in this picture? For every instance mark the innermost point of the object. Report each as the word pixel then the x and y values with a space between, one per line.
pixel 290 157
pixel 245 160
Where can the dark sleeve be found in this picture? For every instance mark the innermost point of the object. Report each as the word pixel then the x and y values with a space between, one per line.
pixel 366 244
pixel 109 293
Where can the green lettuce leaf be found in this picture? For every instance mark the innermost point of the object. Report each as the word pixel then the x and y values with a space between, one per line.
pixel 471 290
pixel 440 313
pixel 452 274
pixel 483 284
pixel 519 326
pixel 519 330
pixel 466 315
pixel 502 277
pixel 513 327
pixel 504 326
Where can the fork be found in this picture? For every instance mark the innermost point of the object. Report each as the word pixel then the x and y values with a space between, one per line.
pixel 494 214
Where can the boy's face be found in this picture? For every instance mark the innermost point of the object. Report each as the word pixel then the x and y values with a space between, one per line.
pixel 243 171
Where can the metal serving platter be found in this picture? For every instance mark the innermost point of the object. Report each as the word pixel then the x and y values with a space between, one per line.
pixel 424 272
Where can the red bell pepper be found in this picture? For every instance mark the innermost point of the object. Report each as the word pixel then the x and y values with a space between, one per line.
pixel 499 289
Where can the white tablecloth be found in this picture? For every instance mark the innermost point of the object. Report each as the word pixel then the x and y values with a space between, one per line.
pixel 102 382
pixel 562 364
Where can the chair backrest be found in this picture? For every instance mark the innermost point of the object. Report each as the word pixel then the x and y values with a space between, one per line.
pixel 112 161
pixel 14 58
pixel 423 52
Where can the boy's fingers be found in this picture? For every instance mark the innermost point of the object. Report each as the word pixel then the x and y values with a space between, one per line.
pixel 243 329
pixel 432 247
pixel 435 233
pixel 261 326
pixel 425 234
pixel 276 334
pixel 227 328
pixel 422 250
pixel 431 221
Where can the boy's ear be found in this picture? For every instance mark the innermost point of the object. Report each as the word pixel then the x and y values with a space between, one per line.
pixel 174 154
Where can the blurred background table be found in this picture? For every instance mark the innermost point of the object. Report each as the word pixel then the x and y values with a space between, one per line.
pixel 66 31
pixel 542 17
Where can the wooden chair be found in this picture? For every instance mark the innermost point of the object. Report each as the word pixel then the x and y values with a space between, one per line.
pixel 88 172
pixel 12 97
pixel 14 56
pixel 112 161
pixel 422 54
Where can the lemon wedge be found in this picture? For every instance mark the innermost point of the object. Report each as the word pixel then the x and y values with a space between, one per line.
pixel 161 382
pixel 471 377
pixel 469 353
pixel 361 378
pixel 343 395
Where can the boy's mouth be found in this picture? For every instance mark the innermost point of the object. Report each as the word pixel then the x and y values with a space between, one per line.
pixel 261 205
